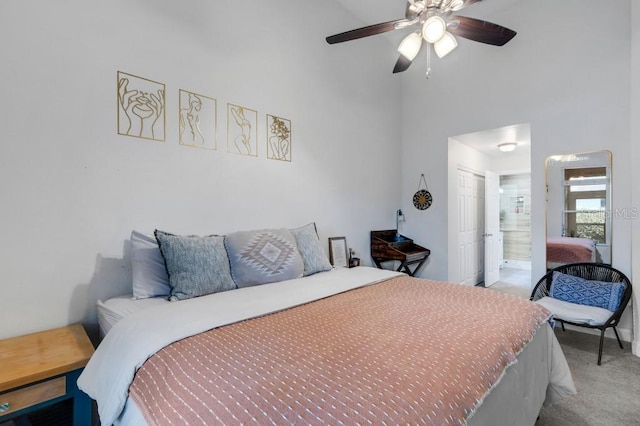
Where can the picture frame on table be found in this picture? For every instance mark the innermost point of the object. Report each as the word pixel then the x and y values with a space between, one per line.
pixel 338 252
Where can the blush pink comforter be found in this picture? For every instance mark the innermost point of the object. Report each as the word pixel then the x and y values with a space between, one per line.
pixel 404 351
pixel 570 249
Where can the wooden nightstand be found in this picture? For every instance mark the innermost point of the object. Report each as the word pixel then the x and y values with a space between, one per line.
pixel 41 369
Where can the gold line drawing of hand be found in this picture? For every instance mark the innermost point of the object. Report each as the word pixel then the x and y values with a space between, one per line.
pixel 128 101
pixel 156 104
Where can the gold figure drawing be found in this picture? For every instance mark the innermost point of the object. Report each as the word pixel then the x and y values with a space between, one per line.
pixel 278 138
pixel 197 120
pixel 141 107
pixel 241 130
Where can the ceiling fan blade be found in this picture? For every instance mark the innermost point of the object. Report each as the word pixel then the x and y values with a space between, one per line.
pixel 368 31
pixel 402 64
pixel 481 31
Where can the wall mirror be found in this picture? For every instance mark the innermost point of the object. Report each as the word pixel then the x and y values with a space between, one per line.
pixel 578 208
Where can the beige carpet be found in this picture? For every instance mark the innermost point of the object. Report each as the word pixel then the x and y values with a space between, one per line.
pixel 608 395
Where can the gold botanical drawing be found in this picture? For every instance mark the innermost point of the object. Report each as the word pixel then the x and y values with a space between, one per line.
pixel 278 138
pixel 197 120
pixel 141 107
pixel 241 130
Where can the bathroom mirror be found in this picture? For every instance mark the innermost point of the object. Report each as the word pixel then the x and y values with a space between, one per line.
pixel 578 208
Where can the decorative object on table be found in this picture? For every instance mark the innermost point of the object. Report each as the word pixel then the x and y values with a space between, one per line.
pixel 338 252
pixel 353 260
pixel 422 198
pixel 197 120
pixel 141 107
pixel 242 126
pixel 278 138
pixel 388 245
pixel 399 218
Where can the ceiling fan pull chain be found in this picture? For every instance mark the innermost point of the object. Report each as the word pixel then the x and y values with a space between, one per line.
pixel 428 61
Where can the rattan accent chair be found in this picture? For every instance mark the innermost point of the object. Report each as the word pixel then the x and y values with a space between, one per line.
pixel 592 272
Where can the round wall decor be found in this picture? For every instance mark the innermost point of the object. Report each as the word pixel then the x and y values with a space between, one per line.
pixel 422 199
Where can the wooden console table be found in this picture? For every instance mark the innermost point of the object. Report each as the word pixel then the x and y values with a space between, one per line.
pixel 388 245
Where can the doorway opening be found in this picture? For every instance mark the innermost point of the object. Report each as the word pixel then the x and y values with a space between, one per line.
pixel 479 251
pixel 515 229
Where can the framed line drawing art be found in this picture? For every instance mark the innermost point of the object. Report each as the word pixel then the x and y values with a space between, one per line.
pixel 141 107
pixel 242 132
pixel 197 120
pixel 338 252
pixel 278 138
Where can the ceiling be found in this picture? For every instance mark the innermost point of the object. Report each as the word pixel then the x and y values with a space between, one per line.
pixel 486 141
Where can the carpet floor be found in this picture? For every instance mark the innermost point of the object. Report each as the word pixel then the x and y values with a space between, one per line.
pixel 608 394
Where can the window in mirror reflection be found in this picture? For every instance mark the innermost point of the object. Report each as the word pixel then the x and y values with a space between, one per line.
pixel 586 192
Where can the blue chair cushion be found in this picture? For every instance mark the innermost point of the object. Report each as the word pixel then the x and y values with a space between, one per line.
pixel 572 289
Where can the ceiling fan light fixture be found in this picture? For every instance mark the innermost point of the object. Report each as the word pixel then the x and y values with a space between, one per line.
pixel 445 45
pixel 507 146
pixel 410 46
pixel 434 29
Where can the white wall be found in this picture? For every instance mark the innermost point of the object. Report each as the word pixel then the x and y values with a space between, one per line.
pixel 568 78
pixel 73 189
pixel 635 159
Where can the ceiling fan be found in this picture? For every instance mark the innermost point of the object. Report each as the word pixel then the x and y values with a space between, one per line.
pixel 437 25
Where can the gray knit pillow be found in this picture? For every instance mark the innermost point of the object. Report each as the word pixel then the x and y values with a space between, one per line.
pixel 263 256
pixel 313 256
pixel 196 265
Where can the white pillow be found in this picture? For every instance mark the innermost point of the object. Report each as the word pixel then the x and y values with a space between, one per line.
pixel 150 278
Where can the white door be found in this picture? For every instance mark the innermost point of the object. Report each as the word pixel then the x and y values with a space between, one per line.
pixel 492 228
pixel 478 227
pixel 465 228
pixel 470 228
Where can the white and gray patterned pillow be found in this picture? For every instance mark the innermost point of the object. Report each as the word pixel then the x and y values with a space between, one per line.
pixel 196 265
pixel 263 256
pixel 314 258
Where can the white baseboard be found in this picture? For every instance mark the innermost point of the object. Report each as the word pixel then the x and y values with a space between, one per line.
pixel 635 348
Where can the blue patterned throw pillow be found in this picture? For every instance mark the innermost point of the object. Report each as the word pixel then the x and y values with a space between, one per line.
pixel 196 265
pixel 601 294
pixel 313 256
pixel 263 256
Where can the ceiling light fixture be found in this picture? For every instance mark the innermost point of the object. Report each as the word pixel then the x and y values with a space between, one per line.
pixel 410 46
pixel 507 146
pixel 434 28
pixel 445 45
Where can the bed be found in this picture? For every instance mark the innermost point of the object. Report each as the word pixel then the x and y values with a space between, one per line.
pixel 257 327
pixel 349 346
pixel 563 250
